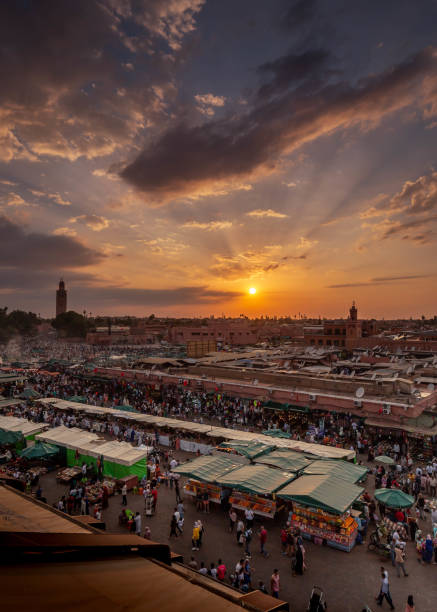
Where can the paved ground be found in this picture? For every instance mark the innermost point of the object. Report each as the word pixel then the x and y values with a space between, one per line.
pixel 350 580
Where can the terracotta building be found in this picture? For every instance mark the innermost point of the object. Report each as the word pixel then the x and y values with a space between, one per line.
pixel 339 332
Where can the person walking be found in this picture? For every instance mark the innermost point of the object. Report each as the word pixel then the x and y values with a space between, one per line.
pixel 249 517
pixel 400 560
pixel 421 506
pixel 232 519
pixel 240 530
pixel 274 584
pixel 137 520
pixel 384 590
pixel 409 606
pixel 173 526
pixel 124 495
pixel 263 540
pixel 195 537
pixel 247 540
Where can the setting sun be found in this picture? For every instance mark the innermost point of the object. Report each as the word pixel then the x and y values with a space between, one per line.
pixel 252 291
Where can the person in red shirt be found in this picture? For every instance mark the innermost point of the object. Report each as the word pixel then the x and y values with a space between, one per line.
pixel 263 540
pixel 154 494
pixel 221 570
pixel 399 516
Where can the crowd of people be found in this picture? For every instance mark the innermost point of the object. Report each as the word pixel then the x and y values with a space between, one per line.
pixel 419 480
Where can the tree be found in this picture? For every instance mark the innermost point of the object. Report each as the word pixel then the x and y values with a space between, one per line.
pixel 16 323
pixel 71 324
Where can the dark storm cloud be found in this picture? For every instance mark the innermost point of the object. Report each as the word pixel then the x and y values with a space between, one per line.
pixel 187 160
pixel 299 13
pixel 290 69
pixel 381 280
pixel 41 251
pixel 125 296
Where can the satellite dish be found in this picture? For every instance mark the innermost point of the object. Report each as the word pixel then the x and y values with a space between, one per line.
pixel 374 376
pixel 409 371
pixel 431 387
pixel 359 392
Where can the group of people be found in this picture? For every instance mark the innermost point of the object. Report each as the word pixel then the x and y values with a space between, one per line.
pixel 240 578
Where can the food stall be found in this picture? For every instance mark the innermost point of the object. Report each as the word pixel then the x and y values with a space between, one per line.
pixel 203 472
pixel 321 509
pixel 285 460
pixel 254 487
pixel 251 450
pixel 27 428
pixel 116 459
pixel 338 468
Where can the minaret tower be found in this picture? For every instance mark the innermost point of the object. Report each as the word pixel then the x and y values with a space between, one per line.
pixel 353 312
pixel 61 298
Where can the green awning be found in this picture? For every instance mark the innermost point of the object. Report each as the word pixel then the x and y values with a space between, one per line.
pixel 29 393
pixel 77 398
pixel 257 479
pixel 338 468
pixel 251 450
pixel 10 437
pixel 275 405
pixel 126 408
pixel 208 467
pixel 288 407
pixel 394 498
pixel 276 433
pixel 325 492
pixel 39 451
pixel 285 459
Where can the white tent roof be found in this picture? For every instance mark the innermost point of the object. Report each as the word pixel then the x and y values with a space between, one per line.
pixel 91 444
pixel 26 427
pixel 319 450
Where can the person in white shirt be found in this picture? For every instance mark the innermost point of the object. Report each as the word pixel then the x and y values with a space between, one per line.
pixel 137 520
pixel 249 516
pixel 203 570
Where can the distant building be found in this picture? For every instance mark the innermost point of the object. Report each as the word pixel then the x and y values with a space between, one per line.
pixel 61 298
pixel 340 332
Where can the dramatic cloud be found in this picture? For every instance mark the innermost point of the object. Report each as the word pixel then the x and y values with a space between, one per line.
pixel 186 159
pixel 261 213
pixel 209 226
pixel 207 103
pixel 93 222
pixel 164 246
pixel 40 251
pixel 409 214
pixel 252 263
pixel 290 69
pixel 64 231
pixel 66 91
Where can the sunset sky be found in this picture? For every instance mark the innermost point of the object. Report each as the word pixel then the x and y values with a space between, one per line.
pixel 166 156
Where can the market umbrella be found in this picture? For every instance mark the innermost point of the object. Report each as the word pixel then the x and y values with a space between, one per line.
pixel 29 393
pixel 10 437
pixel 394 498
pixel 385 459
pixel 39 451
pixel 77 398
pixel 276 433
